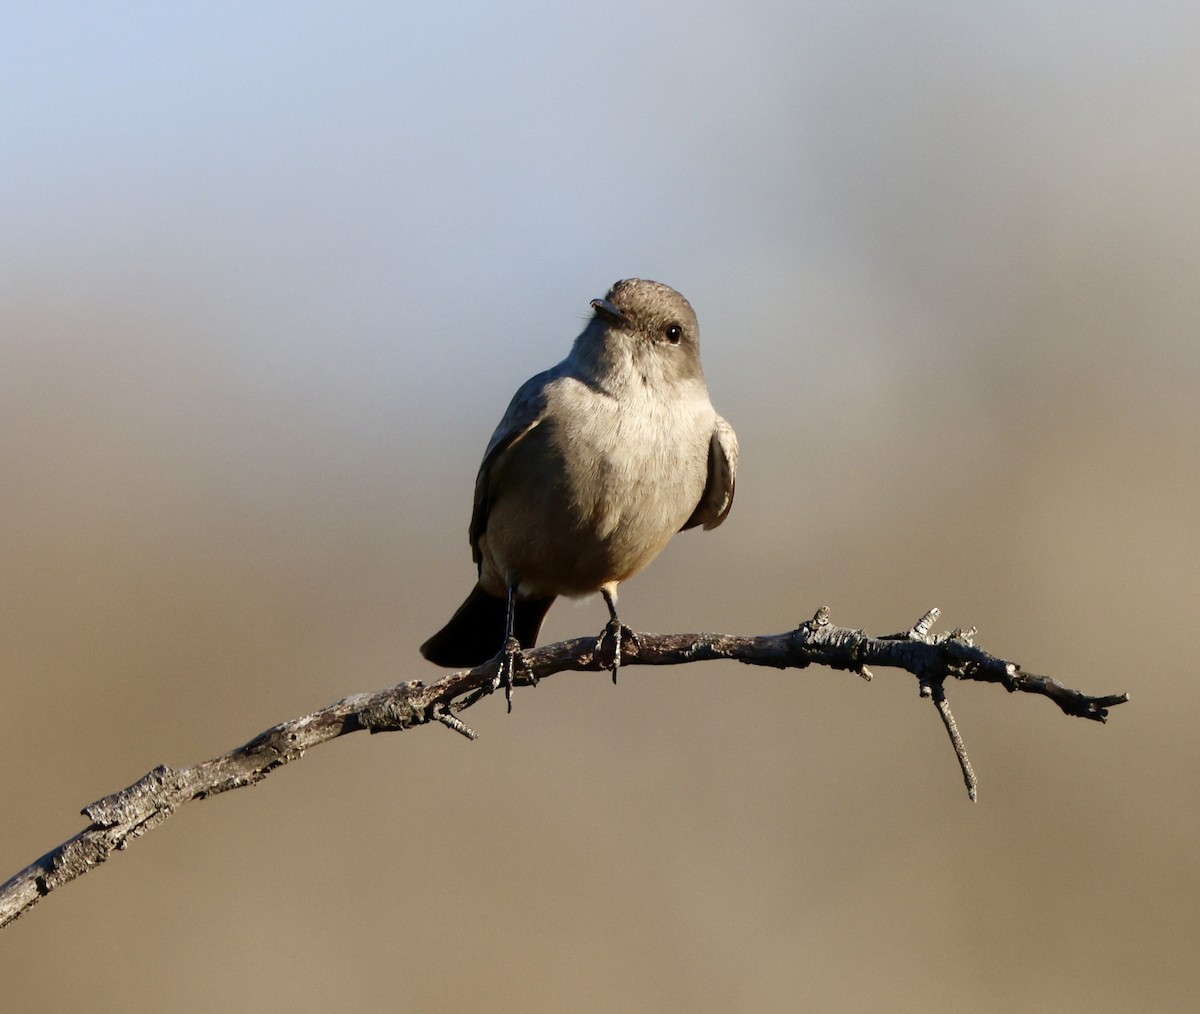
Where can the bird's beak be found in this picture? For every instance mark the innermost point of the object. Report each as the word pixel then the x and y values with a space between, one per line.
pixel 607 309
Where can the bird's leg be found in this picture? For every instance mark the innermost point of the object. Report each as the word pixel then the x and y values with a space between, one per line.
pixel 615 634
pixel 512 659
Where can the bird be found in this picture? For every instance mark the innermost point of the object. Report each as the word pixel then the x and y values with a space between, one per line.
pixel 594 467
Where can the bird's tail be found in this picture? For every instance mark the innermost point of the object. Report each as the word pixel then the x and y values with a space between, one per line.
pixel 475 632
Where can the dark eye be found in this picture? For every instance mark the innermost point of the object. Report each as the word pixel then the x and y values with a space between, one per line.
pixel 674 333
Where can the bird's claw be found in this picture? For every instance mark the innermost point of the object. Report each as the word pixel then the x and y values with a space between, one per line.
pixel 512 665
pixel 612 641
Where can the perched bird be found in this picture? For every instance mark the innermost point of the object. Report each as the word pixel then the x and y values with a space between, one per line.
pixel 597 463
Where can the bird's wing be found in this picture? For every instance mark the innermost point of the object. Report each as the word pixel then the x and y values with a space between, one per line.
pixel 525 411
pixel 717 497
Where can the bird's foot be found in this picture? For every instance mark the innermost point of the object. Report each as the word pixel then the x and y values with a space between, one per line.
pixel 512 665
pixel 612 641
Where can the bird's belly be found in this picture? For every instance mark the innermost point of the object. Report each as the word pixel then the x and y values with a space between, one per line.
pixel 603 517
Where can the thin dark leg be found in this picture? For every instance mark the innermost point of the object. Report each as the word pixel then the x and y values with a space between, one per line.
pixel 614 630
pixel 512 658
pixel 511 648
pixel 510 615
pixel 611 602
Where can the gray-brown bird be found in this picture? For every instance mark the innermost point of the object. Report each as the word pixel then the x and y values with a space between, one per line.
pixel 597 463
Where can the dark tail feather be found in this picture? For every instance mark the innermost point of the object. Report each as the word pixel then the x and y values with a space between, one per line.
pixel 528 621
pixel 475 632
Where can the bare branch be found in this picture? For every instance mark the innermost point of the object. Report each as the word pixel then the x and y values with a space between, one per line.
pixel 960 748
pixel 118 819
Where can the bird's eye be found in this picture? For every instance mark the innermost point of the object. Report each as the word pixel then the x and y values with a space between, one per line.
pixel 674 333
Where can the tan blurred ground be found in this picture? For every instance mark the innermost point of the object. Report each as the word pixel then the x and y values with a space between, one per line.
pixel 226 503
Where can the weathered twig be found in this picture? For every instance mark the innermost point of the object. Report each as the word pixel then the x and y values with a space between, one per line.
pixel 118 819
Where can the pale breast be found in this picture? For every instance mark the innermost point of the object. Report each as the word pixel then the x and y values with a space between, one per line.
pixel 596 490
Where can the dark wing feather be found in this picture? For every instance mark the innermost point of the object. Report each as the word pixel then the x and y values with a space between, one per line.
pixel 717 497
pixel 525 411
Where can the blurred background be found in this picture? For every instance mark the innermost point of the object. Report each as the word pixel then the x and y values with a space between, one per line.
pixel 269 274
